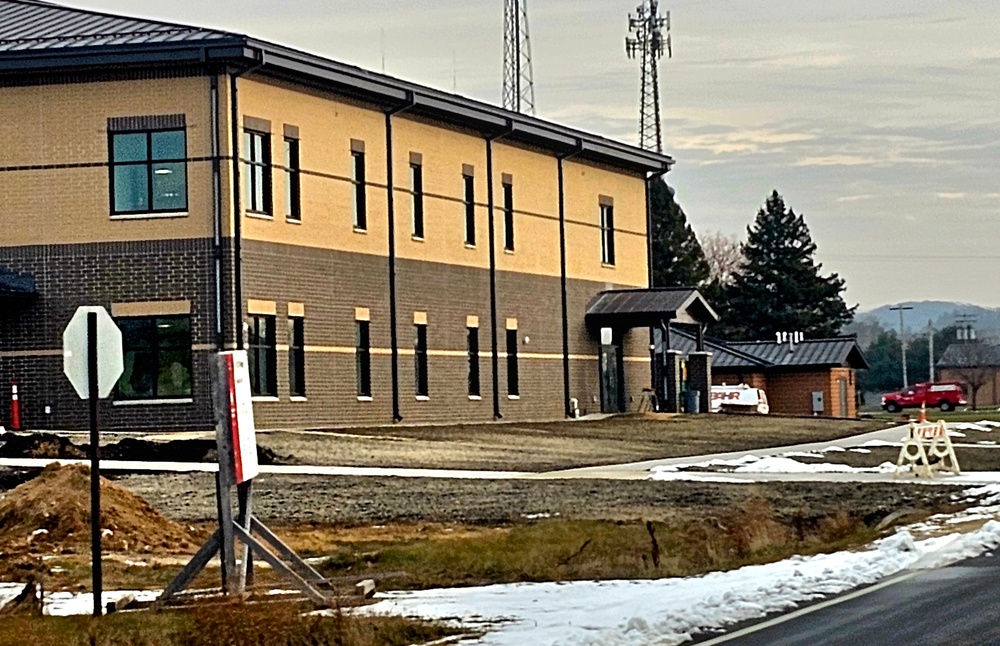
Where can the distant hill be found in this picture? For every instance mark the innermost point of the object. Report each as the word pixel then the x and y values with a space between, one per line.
pixel 940 313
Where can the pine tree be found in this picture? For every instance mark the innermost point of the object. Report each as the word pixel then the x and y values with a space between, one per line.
pixel 779 288
pixel 678 259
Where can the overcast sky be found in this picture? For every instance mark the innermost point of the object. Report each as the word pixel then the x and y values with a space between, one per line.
pixel 877 119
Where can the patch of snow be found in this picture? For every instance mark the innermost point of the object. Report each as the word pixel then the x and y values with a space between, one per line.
pixel 879 443
pixel 989 442
pixel 954 433
pixel 786 465
pixel 988 422
pixel 969 426
pixel 802 454
pixel 833 449
pixel 672 611
pixel 860 450
pixel 62 604
pixel 536 516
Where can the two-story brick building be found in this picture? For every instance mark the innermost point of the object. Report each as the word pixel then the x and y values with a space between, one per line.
pixel 384 251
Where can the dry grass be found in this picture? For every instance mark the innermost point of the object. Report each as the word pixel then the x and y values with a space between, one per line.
pixel 270 624
pixel 563 550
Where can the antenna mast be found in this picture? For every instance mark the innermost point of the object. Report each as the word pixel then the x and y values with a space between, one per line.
pixel 647 43
pixel 518 83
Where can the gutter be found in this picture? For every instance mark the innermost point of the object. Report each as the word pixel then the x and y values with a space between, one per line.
pixel 391 209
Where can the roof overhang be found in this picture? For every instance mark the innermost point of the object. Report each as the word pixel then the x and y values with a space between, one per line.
pixel 631 308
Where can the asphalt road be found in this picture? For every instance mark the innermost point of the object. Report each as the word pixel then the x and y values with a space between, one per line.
pixel 957 605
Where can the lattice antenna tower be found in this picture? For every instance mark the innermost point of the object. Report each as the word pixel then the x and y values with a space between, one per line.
pixel 518 83
pixel 647 43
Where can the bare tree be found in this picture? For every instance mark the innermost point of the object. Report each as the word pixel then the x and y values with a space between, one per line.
pixel 724 255
pixel 975 365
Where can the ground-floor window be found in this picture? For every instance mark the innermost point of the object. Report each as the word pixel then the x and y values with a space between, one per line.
pixel 296 356
pixel 263 356
pixel 513 385
pixel 473 362
pixel 157 357
pixel 364 358
pixel 420 359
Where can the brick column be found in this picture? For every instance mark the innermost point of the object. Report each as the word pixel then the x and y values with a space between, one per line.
pixel 672 378
pixel 700 377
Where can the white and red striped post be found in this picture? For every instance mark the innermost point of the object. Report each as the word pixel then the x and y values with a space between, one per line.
pixel 15 408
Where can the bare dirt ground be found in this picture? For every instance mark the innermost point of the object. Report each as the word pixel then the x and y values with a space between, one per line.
pixel 555 445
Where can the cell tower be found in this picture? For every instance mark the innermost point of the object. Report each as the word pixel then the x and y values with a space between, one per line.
pixel 647 43
pixel 518 86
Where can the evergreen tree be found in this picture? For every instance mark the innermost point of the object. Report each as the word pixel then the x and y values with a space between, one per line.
pixel 779 287
pixel 678 259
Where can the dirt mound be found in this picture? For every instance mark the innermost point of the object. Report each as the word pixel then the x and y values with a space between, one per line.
pixel 52 513
pixel 47 445
pixel 38 445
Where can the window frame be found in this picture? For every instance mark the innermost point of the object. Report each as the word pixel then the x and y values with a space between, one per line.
pixel 269 348
pixel 607 234
pixel 293 180
pixel 265 164
pixel 417 189
pixel 363 358
pixel 508 216
pixel 421 380
pixel 296 356
pixel 155 349
pixel 149 163
pixel 359 180
pixel 469 198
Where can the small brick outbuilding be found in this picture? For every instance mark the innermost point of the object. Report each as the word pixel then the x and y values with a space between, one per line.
pixel 788 372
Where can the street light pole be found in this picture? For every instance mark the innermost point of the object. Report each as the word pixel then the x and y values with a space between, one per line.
pixel 902 339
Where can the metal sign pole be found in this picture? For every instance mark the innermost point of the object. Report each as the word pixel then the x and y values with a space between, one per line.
pixel 95 465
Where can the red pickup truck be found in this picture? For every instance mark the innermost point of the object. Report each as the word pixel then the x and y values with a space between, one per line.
pixel 944 395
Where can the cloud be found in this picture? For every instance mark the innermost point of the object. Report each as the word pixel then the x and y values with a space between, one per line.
pixel 950 196
pixel 740 141
pixel 855 198
pixel 837 160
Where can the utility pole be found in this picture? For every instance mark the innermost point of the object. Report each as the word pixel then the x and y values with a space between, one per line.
pixel 518 79
pixel 930 350
pixel 902 338
pixel 647 43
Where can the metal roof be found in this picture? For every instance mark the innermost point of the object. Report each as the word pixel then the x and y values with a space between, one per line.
pixel 39 37
pixel 722 355
pixel 970 355
pixel 34 25
pixel 647 307
pixel 16 285
pixel 839 351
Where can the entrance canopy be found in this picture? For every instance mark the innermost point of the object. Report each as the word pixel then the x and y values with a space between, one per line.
pixel 16 287
pixel 632 308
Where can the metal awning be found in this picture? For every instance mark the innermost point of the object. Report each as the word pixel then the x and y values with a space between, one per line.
pixel 16 287
pixel 631 308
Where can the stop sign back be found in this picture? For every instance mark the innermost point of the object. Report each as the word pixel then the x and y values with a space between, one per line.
pixel 110 362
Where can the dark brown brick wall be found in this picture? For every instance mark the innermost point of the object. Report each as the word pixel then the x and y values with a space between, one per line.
pixel 68 276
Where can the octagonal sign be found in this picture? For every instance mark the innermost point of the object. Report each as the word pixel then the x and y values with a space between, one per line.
pixel 110 363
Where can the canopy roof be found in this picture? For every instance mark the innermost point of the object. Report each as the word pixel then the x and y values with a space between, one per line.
pixel 629 308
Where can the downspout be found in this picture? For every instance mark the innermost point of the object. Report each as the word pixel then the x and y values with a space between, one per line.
pixel 562 275
pixel 237 206
pixel 493 264
pixel 217 208
pixel 390 208
pixel 649 273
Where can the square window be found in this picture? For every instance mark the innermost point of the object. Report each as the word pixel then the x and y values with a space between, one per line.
pixel 148 171
pixel 157 358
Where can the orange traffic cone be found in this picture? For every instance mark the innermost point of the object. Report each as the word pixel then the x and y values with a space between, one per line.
pixel 923 413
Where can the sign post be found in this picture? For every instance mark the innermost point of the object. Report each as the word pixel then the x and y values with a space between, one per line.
pixel 93 362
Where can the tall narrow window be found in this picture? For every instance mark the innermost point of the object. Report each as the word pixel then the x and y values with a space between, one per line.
pixel 360 191
pixel 513 387
pixel 257 171
pixel 148 169
pixel 469 184
pixel 364 358
pixel 420 359
pixel 417 188
pixel 263 356
pixel 473 333
pixel 607 234
pixel 157 352
pixel 296 356
pixel 508 215
pixel 293 181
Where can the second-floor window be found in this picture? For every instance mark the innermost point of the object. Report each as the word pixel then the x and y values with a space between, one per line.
pixel 469 186
pixel 607 234
pixel 417 188
pixel 148 171
pixel 508 216
pixel 360 190
pixel 257 170
pixel 293 181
